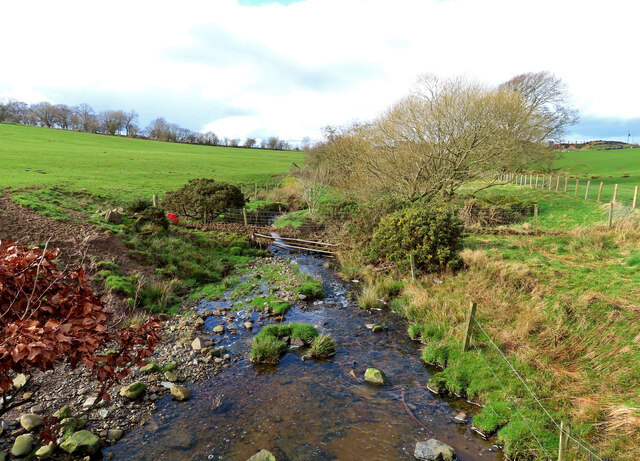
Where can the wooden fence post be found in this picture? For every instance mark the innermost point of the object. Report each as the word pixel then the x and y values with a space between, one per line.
pixel 558 184
pixel 600 191
pixel 413 272
pixel 537 181
pixel 155 201
pixel 610 215
pixel 615 193
pixel 535 215
pixel 550 180
pixel 566 183
pixel 244 216
pixel 576 192
pixel 586 194
pixel 635 197
pixel 564 441
pixel 468 327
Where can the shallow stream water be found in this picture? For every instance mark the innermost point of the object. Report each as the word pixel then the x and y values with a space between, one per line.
pixel 310 410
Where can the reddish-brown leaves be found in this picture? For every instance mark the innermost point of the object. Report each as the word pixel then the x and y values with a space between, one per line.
pixel 47 314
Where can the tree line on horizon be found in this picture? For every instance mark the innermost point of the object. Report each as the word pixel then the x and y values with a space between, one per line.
pixel 124 123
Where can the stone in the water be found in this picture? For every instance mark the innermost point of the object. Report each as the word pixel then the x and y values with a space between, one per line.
pixel 219 329
pixel 377 328
pixel 248 325
pixel 375 376
pixel 461 418
pixel 23 445
pixel 104 413
pixel 81 443
pixel 263 455
pixel 114 434
pixel 180 393
pixel 434 450
pixel 134 390
pixel 297 342
pixel 31 421
pixel 370 325
pixel 170 376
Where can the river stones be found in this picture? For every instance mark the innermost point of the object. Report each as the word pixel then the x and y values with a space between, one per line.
pixel 151 367
pixel 375 377
pixel 20 381
pixel 114 434
pixel 133 390
pixel 23 445
pixel 80 443
pixel 180 393
pixel 45 451
pixel 263 455
pixel 31 421
pixel 434 450
pixel 218 329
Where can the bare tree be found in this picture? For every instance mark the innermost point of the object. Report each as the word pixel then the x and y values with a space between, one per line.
pixel 112 121
pixel 43 114
pixel 129 121
pixel 445 134
pixel 250 143
pixel 62 115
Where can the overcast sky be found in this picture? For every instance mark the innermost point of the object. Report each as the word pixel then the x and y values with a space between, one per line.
pixel 258 68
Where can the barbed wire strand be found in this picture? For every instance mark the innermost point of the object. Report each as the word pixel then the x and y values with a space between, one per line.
pixel 584 445
pixel 512 401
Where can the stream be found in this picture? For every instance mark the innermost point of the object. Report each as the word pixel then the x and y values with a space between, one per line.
pixel 310 410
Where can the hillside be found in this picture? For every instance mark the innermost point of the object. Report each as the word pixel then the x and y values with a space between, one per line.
pixel 121 168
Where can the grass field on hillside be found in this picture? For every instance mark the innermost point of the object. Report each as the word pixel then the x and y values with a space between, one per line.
pixel 121 168
pixel 608 166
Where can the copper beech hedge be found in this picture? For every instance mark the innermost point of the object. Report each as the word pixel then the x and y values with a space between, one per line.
pixel 48 314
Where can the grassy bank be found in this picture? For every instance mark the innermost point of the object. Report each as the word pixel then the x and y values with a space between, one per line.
pixel 120 168
pixel 559 301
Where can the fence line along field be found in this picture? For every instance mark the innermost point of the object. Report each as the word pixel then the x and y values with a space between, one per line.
pixel 121 168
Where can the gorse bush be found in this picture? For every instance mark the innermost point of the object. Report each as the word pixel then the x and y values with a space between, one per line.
pixel 431 234
pixel 203 199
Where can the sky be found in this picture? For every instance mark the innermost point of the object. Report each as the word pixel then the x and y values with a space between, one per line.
pixel 258 68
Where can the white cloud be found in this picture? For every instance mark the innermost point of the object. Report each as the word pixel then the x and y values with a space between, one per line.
pixel 317 62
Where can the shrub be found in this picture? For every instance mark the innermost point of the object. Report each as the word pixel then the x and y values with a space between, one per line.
pixel 138 204
pixel 431 234
pixel 203 199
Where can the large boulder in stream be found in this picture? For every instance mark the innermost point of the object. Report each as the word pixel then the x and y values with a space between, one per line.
pixel 375 377
pixel 263 455
pixel 434 450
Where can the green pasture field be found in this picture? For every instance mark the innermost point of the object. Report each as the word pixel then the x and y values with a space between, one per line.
pixel 618 166
pixel 120 168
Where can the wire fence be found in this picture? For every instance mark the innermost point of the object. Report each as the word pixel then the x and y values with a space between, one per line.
pixel 569 446
pixel 589 189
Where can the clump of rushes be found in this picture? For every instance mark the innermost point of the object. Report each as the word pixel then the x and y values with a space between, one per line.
pixel 311 289
pixel 267 349
pixel 268 345
pixel 322 347
pixel 369 298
